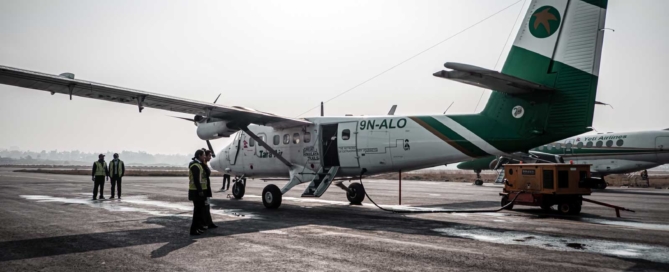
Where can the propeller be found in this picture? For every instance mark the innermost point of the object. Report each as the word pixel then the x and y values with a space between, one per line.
pixel 199 119
pixel 196 119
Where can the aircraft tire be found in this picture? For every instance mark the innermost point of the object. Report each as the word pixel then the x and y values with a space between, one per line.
pixel 355 193
pixel 238 190
pixel 271 196
pixel 478 182
pixel 601 185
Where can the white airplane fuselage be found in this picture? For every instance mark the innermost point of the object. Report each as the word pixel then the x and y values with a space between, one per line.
pixel 377 144
pixel 614 153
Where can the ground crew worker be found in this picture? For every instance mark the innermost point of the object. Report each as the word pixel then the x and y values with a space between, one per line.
pixel 208 222
pixel 116 172
pixel 100 171
pixel 226 177
pixel 197 183
pixel 644 176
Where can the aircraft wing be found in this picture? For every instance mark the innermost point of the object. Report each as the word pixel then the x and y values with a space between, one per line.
pixel 66 84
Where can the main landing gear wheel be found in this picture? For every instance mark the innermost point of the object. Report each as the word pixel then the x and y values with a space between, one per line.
pixel 355 193
pixel 238 189
pixel 601 185
pixel 271 196
pixel 478 182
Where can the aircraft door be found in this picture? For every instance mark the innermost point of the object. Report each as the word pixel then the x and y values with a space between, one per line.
pixel 233 152
pixel 347 144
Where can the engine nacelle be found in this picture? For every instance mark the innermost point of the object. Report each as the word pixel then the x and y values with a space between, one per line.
pixel 214 130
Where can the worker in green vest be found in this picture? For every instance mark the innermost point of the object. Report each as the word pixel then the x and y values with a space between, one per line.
pixel 197 184
pixel 100 171
pixel 116 172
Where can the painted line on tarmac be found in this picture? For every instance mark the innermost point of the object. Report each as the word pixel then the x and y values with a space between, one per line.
pixel 118 205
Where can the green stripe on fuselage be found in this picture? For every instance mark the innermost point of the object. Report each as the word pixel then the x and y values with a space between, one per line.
pixel 451 137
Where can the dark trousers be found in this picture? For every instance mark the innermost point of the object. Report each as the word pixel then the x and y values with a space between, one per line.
pixel 116 181
pixel 99 182
pixel 226 178
pixel 208 221
pixel 198 215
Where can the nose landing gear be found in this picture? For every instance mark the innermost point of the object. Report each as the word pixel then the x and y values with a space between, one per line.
pixel 239 187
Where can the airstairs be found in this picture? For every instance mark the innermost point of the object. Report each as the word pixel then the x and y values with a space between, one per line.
pixel 321 182
pixel 500 176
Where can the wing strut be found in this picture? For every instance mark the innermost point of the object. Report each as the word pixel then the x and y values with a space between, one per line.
pixel 266 146
pixel 140 101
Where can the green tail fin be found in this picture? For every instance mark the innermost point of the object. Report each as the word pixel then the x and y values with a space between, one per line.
pixel 558 46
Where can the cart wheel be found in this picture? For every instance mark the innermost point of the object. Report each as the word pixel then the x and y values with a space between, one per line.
pixel 546 207
pixel 505 200
pixel 568 208
pixel 576 209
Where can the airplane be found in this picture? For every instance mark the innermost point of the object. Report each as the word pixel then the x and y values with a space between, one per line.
pixel 545 92
pixel 610 153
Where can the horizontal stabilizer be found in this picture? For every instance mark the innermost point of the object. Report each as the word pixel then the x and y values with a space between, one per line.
pixel 490 79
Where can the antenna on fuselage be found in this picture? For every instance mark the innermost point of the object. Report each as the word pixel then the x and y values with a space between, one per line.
pixel 322 110
pixel 449 106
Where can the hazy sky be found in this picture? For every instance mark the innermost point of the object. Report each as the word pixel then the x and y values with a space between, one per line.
pixel 285 57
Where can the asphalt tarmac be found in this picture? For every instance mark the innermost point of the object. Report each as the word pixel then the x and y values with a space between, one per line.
pixel 50 223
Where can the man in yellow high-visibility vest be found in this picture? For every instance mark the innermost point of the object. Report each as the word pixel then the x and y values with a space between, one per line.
pixel 116 172
pixel 100 171
pixel 197 184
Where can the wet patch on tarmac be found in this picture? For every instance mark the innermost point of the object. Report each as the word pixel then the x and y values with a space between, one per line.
pixel 162 208
pixel 647 252
pixel 636 225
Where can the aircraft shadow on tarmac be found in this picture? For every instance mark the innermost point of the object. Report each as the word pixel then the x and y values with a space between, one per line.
pixel 174 230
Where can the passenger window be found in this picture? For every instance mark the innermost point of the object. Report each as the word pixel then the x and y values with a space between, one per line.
pixel 579 145
pixel 569 146
pixel 599 143
pixel 620 143
pixel 296 138
pixel 563 179
pixel 307 137
pixel 609 143
pixel 277 139
pixel 558 146
pixel 286 139
pixel 252 142
pixel 345 134
pixel 589 144
pixel 548 179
